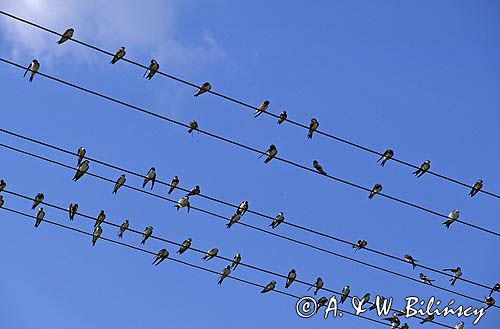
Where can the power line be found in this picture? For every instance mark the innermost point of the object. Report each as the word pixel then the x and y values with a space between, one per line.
pixel 183 262
pixel 215 215
pixel 251 148
pixel 200 251
pixel 287 222
pixel 246 105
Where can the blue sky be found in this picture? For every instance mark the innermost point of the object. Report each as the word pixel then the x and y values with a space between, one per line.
pixel 420 78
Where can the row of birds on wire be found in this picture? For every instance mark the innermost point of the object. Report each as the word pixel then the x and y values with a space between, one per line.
pixel 272 151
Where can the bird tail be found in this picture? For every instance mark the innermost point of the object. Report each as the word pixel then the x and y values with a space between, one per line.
pixel 32 76
pixel 145 73
pixel 26 72
pixel 310 135
pixel 267 160
pixel 371 195
pixel 228 225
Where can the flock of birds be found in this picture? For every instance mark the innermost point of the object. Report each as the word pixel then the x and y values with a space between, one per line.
pixel 184 202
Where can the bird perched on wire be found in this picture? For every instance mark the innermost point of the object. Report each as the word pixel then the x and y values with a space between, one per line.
pixel 495 288
pixel 146 234
pixel 150 176
pixel 123 228
pixel 186 244
pixel 411 260
pixel 236 261
pixel 365 299
pixel 183 202
pixel 388 154
pixel 66 36
pixel 1 201
pixel 459 325
pixel 278 220
pixel 33 67
pixel 261 108
pixel 344 294
pixel 3 185
pixel 37 200
pixel 224 274
pixel 457 273
pixel 360 245
pixel 153 68
pixel 242 208
pixel 429 318
pixel 270 153
pixel 72 209
pixel 119 183
pixel 97 233
pixel 317 285
pixel 194 191
pixel 160 257
pixel 203 89
pixel 452 217
pixel 39 217
pixel 312 128
pixel 318 167
pixel 81 170
pixel 377 188
pixel 210 254
pixel 478 185
pixel 489 301
pixel 291 277
pixel 423 168
pixel 173 184
pixel 282 117
pixel 100 218
pixel 233 220
pixel 405 326
pixel 395 322
pixel 81 154
pixel 270 286
pixel 120 53
pixel 193 125
pixel 425 279
pixel 321 302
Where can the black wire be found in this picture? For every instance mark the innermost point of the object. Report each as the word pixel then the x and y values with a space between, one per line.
pixel 184 263
pixel 200 251
pixel 215 215
pixel 249 148
pixel 364 148
pixel 287 222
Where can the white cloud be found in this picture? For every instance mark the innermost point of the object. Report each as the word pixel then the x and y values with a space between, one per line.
pixel 143 27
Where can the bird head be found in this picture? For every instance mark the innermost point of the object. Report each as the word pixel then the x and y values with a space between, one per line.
pixel 266 103
pixel 152 169
pixel 428 161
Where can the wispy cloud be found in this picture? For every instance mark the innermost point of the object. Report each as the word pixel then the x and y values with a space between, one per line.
pixel 143 27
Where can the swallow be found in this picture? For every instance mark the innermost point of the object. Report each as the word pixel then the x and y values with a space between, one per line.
pixel 160 257
pixel 495 288
pixel 66 36
pixel 193 125
pixel 282 117
pixel 452 216
pixel 321 302
pixel 3 185
pixel 97 233
pixel 72 209
pixel 270 286
pixel 119 183
pixel 173 184
pixel 81 170
pixel 402 312
pixel 360 245
pixel 146 234
pixel 318 167
pixel 210 254
pixel 236 261
pixel 377 188
pixel 290 278
pixel 317 285
pixel 224 274
pixel 270 153
pixel 423 168
pixel 1 201
pixel 395 322
pixel 460 325
pixel 312 128
pixel 457 273
pixel 81 154
pixel 388 154
pixel 411 260
pixel 261 109
pixel 344 294
pixel 150 176
pixel 425 279
pixel 405 326
pixel 33 67
pixel 365 299
pixel 278 220
pixel 100 218
pixel 478 185
pixel 242 208
pixel 120 53
pixel 184 246
pixel 123 228
pixel 489 301
pixel 39 217
pixel 234 219
pixel 37 200
pixel 183 202
pixel 153 68
pixel 194 191
pixel 203 89
pixel 429 318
